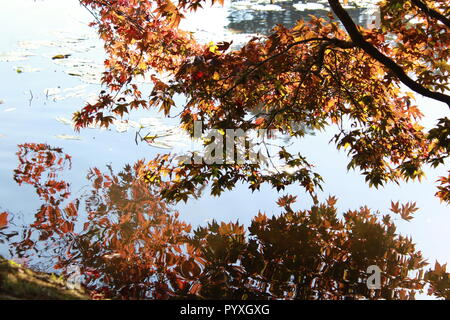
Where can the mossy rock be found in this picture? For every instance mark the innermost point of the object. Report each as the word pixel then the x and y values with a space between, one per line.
pixel 20 283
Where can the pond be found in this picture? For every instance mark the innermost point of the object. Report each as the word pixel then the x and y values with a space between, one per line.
pixel 51 63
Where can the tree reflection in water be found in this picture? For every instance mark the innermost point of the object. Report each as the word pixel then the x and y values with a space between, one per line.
pixel 39 166
pixel 130 244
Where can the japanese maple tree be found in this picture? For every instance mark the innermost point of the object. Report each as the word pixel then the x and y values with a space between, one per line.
pixel 316 74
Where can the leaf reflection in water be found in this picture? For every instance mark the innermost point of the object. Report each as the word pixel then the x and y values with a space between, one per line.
pixel 127 243
pixel 131 244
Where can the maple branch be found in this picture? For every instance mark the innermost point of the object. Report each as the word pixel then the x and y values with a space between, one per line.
pixel 91 12
pixel 372 51
pixel 431 12
pixel 337 42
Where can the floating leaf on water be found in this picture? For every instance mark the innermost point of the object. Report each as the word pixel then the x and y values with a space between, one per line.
pixel 61 56
pixel 121 126
pixel 160 145
pixel 15 56
pixel 91 99
pixel 64 121
pixel 59 94
pixel 2 101
pixel 134 124
pixel 177 141
pixel 26 69
pixel 35 44
pixel 67 137
pixel 309 6
pixel 80 88
pixel 145 123
pixel 150 122
pixel 96 125
pixel 266 7
pixel 168 139
pixel 58 98
pixel 75 95
pixel 89 71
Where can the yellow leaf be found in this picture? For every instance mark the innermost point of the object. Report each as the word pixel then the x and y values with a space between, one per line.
pixel 212 47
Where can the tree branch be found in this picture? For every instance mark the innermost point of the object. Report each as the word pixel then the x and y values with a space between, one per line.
pixel 359 41
pixel 431 12
pixel 337 42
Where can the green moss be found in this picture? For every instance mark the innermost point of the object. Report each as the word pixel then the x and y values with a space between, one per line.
pixel 18 282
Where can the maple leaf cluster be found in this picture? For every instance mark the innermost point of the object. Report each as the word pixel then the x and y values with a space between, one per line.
pixel 316 74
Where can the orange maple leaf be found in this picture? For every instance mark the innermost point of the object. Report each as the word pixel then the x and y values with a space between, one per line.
pixel 3 219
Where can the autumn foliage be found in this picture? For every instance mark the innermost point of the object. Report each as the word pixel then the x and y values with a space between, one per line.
pixel 294 80
pixel 316 74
